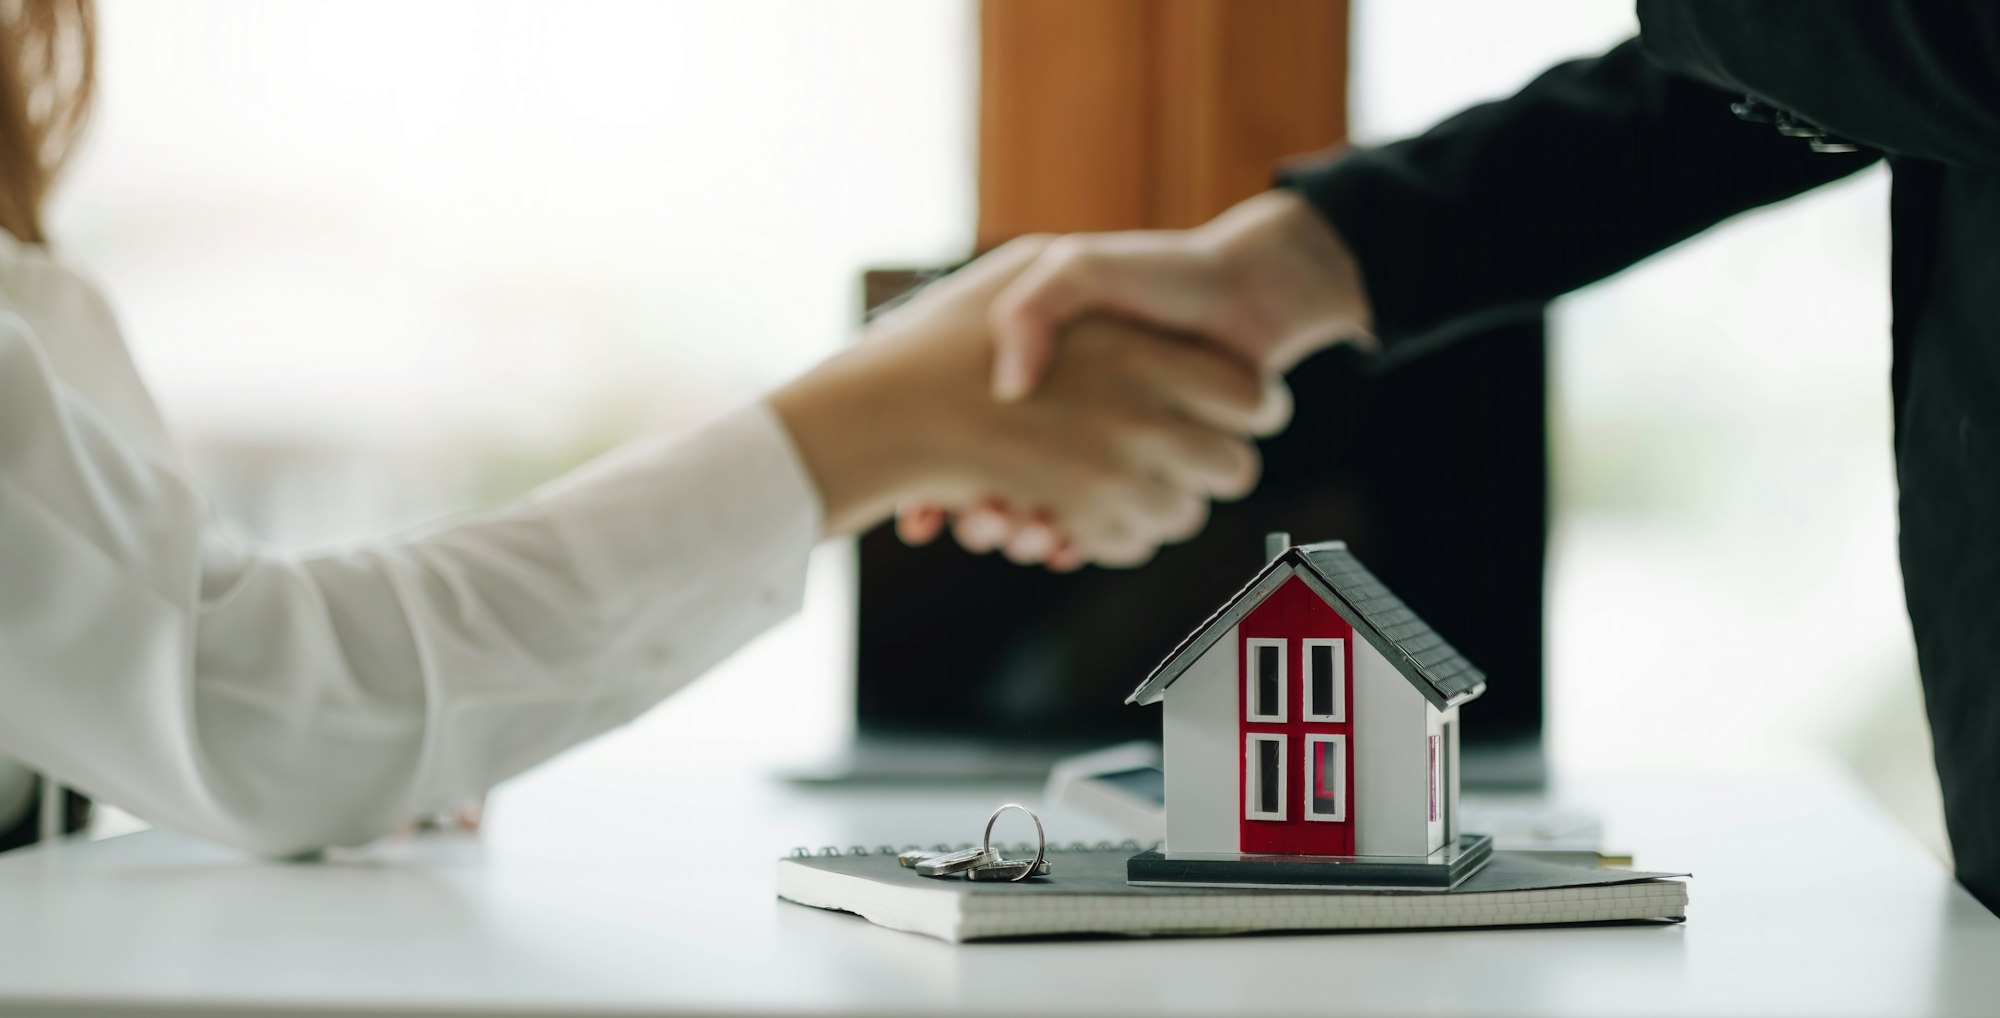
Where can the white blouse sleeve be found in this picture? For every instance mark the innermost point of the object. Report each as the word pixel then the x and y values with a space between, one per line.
pixel 283 703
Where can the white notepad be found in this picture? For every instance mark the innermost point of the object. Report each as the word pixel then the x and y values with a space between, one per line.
pixel 1088 894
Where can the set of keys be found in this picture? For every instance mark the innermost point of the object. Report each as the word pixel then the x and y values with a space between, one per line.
pixel 984 862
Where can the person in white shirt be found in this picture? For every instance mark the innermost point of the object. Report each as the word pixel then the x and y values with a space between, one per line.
pixel 283 703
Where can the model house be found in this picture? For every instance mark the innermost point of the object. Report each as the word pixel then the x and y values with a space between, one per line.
pixel 1313 715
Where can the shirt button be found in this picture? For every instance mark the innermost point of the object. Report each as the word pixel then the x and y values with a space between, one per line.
pixel 1750 110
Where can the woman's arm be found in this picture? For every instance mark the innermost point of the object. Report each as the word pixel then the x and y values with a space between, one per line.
pixel 282 703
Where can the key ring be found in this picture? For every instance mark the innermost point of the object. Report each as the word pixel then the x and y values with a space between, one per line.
pixel 1041 840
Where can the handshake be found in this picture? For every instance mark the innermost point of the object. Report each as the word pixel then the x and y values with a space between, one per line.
pixel 1081 399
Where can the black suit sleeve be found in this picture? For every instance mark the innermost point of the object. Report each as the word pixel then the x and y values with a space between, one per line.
pixel 1593 166
pixel 1918 79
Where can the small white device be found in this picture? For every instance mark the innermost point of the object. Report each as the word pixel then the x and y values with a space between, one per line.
pixel 1122 785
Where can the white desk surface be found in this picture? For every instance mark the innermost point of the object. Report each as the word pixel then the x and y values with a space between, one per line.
pixel 638 894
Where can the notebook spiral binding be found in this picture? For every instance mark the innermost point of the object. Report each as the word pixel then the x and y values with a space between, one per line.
pixel 1024 848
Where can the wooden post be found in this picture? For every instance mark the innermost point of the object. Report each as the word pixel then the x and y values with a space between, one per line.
pixel 1137 114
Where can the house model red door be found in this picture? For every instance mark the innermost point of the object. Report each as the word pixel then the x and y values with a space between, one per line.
pixel 1295 661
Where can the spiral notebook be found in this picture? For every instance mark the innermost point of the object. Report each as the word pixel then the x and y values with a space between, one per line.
pixel 1087 894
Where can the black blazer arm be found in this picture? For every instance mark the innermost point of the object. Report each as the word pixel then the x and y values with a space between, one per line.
pixel 1593 166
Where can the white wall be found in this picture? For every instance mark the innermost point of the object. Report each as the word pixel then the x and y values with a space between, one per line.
pixel 395 256
pixel 1203 749
pixel 1391 763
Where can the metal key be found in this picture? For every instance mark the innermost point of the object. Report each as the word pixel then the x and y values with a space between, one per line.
pixel 1036 867
pixel 952 864
pixel 984 862
pixel 1009 869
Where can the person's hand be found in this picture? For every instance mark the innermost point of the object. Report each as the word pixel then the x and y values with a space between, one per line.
pixel 1269 281
pixel 1120 449
pixel 1174 416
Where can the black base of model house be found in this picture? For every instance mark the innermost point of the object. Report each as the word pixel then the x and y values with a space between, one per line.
pixel 1442 870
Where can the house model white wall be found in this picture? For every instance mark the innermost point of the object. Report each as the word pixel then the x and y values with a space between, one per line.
pixel 1313 715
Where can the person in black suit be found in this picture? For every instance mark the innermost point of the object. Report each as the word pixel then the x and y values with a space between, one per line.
pixel 1715 109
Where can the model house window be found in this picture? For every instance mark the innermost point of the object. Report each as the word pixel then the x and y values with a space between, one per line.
pixel 1264 776
pixel 1265 692
pixel 1326 680
pixel 1326 777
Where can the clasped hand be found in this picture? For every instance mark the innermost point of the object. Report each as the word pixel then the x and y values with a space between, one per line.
pixel 1120 449
pixel 1263 285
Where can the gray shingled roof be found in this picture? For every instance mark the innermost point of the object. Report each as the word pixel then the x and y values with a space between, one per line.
pixel 1434 667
